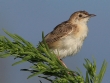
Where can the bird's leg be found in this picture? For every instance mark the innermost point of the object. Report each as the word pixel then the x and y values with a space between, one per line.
pixel 65 66
pixel 62 62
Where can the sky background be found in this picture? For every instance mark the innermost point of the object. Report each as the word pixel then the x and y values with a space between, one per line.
pixel 28 18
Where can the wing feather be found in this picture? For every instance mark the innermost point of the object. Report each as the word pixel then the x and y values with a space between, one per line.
pixel 59 32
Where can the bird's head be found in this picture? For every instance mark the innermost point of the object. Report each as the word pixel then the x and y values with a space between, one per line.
pixel 80 17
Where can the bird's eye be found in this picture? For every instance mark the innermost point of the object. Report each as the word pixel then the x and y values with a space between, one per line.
pixel 80 15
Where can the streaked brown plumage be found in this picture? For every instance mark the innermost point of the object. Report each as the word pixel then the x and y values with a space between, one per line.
pixel 67 38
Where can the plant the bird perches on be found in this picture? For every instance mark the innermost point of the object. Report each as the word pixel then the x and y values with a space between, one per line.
pixel 46 63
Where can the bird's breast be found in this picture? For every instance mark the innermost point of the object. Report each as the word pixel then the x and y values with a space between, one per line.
pixel 72 43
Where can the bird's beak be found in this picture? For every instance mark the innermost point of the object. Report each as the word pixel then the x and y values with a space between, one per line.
pixel 92 15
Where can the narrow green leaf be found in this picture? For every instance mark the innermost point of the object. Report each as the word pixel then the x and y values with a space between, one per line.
pixel 19 62
pixel 9 34
pixel 35 74
pixel 45 43
pixel 4 55
pixel 26 58
pixel 24 41
pixel 102 71
pixel 87 77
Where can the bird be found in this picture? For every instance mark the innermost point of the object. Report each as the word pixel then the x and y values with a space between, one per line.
pixel 67 38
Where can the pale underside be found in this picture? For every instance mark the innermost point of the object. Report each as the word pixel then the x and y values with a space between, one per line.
pixel 66 39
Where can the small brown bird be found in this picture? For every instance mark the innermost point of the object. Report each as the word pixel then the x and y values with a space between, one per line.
pixel 67 38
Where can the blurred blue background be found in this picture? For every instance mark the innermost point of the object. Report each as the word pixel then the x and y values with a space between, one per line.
pixel 28 18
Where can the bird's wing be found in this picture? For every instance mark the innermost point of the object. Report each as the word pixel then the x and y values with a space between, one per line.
pixel 60 31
